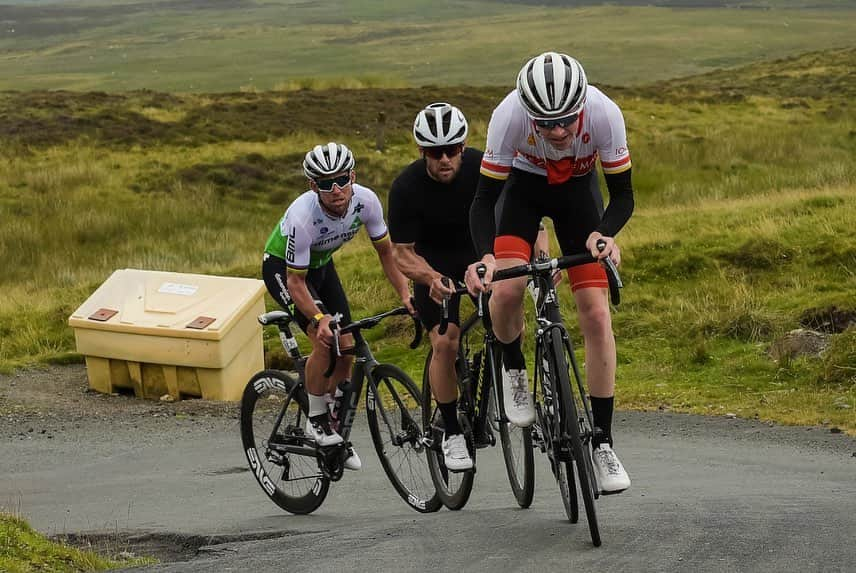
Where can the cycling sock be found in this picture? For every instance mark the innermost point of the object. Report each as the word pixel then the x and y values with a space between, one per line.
pixel 601 411
pixel 512 355
pixel 450 417
pixel 317 405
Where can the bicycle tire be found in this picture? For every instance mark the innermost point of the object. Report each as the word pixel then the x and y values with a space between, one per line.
pixel 570 422
pixel 267 394
pixel 516 451
pixel 453 488
pixel 404 462
pixel 563 471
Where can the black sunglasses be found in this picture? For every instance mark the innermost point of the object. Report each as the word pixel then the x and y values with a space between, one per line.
pixel 326 185
pixel 561 122
pixel 438 152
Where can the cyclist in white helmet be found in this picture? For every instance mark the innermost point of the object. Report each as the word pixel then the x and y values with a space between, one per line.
pixel 429 206
pixel 299 273
pixel 543 142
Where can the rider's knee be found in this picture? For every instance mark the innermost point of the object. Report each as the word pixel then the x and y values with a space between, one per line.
pixel 444 346
pixel 507 295
pixel 595 320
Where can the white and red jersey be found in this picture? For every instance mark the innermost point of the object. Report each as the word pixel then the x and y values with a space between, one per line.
pixel 513 141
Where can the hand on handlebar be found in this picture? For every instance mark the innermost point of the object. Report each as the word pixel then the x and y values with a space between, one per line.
pixel 477 283
pixel 441 287
pixel 601 247
pixel 324 333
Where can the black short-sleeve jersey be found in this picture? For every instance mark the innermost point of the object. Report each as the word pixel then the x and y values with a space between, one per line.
pixel 435 216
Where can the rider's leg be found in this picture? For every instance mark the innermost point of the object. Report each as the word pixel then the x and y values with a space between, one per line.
pixel 442 375
pixel 596 326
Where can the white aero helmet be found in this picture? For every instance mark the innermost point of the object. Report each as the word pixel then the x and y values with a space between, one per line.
pixel 326 160
pixel 552 86
pixel 439 124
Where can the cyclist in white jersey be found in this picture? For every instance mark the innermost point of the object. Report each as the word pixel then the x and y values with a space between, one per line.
pixel 543 142
pixel 299 273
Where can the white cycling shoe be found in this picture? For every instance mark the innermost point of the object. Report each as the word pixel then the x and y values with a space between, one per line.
pixel 610 473
pixel 516 398
pixel 456 456
pixel 320 431
pixel 353 461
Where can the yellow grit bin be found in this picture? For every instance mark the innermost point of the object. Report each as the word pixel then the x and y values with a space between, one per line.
pixel 177 334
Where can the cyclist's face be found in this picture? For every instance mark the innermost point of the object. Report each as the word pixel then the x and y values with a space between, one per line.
pixel 443 163
pixel 337 199
pixel 559 137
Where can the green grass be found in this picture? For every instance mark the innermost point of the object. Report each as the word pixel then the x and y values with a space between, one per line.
pixel 23 550
pixel 231 45
pixel 746 193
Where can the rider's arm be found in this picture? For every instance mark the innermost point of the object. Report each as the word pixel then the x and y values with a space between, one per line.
pixel 621 203
pixel 396 279
pixel 482 218
pixel 412 265
pixel 419 271
pixel 305 303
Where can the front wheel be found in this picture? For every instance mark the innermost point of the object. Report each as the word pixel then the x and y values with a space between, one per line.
pixel 394 413
pixel 273 411
pixel 516 448
pixel 575 425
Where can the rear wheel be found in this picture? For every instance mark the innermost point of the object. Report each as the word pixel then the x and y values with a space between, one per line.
pixel 394 413
pixel 453 488
pixel 273 412
pixel 574 423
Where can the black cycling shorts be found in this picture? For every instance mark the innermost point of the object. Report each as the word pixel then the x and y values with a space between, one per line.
pixel 323 283
pixel 575 206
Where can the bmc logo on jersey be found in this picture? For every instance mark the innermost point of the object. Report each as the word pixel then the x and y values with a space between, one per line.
pixel 289 251
pixel 620 150
pixel 586 137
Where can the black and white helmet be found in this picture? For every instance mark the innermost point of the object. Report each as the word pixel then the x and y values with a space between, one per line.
pixel 551 86
pixel 439 124
pixel 326 160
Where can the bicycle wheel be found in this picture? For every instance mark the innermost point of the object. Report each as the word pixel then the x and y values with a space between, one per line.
pixel 562 469
pixel 453 488
pixel 516 448
pixel 394 413
pixel 572 421
pixel 273 410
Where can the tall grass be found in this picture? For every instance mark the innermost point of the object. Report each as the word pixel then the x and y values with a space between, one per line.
pixel 743 223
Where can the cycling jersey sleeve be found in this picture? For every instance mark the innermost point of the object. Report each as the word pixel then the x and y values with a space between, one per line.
pixel 373 220
pixel 298 242
pixel 405 224
pixel 506 127
pixel 621 203
pixel 610 137
pixel 482 216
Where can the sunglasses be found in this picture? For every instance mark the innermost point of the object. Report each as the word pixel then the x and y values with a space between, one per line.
pixel 326 185
pixel 561 122
pixel 438 152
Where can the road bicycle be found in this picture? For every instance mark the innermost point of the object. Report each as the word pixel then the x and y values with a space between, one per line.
pixel 563 427
pixel 291 468
pixel 480 412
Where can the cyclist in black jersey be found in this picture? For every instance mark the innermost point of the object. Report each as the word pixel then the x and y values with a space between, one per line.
pixel 543 142
pixel 429 206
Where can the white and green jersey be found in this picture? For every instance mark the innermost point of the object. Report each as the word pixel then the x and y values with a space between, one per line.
pixel 307 236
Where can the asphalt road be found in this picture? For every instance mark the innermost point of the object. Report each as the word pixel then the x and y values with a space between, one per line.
pixel 708 494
